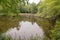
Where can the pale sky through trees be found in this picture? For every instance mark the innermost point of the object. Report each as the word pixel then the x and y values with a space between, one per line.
pixel 35 1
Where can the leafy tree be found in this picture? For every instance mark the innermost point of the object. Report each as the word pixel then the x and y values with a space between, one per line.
pixel 30 8
pixel 24 9
pixel 51 8
pixel 33 8
pixel 9 6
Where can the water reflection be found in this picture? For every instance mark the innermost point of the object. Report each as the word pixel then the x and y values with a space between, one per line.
pixel 25 31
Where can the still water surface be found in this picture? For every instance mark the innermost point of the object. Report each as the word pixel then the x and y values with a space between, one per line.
pixel 24 28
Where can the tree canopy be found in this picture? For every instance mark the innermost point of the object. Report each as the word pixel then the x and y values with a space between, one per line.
pixel 51 8
pixel 9 6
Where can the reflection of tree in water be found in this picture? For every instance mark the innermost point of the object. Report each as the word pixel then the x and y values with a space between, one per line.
pixel 7 22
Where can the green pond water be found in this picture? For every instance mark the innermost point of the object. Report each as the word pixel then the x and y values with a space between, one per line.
pixel 24 27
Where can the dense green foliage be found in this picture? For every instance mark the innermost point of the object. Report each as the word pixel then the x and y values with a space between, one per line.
pixel 9 6
pixel 56 31
pixel 28 8
pixel 51 9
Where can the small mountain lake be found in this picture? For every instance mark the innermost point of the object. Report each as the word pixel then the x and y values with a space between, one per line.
pixel 24 28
